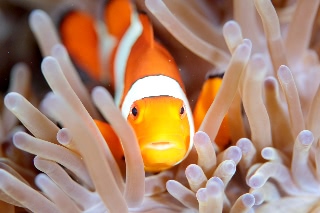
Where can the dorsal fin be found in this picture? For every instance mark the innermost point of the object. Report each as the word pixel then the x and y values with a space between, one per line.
pixel 147 33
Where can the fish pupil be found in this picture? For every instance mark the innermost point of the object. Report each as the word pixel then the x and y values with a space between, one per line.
pixel 134 111
pixel 181 110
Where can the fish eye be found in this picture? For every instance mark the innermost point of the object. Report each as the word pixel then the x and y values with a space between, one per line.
pixel 134 111
pixel 182 110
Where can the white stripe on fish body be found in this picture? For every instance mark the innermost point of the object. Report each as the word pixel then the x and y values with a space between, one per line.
pixel 107 43
pixel 122 54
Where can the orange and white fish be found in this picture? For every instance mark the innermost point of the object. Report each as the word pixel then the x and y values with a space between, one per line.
pixel 148 86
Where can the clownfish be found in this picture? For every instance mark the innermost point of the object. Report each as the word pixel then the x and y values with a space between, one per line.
pixel 147 84
pixel 207 95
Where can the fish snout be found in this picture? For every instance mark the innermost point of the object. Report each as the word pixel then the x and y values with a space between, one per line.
pixel 164 152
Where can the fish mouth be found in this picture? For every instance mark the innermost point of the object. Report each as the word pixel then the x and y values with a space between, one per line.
pixel 162 142
pixel 160 145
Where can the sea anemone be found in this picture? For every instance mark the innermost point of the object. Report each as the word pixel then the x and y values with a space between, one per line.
pixel 270 91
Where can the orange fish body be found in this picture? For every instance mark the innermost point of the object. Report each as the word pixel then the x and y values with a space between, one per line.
pixel 112 140
pixel 148 87
pixel 207 94
pixel 77 30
